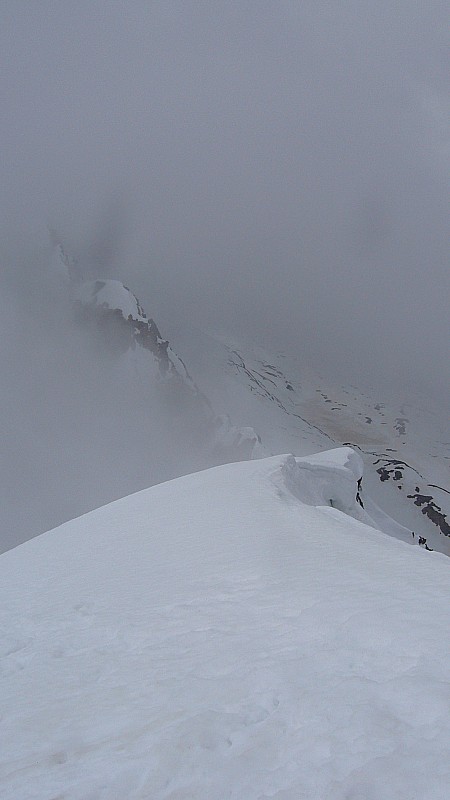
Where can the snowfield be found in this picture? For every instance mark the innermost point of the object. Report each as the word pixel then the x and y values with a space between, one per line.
pixel 236 633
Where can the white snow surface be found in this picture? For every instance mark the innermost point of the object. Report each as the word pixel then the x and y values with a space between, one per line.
pixel 111 294
pixel 226 635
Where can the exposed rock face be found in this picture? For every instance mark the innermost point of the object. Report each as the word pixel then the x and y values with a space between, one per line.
pixel 431 510
pixel 121 323
pixel 404 475
pixel 120 319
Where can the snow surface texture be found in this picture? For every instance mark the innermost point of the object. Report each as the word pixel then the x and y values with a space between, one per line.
pixel 229 634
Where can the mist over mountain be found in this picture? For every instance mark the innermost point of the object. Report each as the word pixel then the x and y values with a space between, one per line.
pixel 97 405
pixel 291 160
pixel 224 399
pixel 273 172
pixel 100 403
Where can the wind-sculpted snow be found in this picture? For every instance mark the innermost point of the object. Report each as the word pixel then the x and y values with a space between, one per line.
pixel 227 634
pixel 327 479
pixel 403 446
pixel 335 478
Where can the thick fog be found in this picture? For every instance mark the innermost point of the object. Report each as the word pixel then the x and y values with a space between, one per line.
pixel 278 169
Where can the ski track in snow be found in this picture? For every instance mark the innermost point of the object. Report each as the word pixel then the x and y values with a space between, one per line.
pixel 214 637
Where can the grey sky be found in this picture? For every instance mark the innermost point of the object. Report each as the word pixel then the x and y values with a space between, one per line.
pixel 280 169
pixel 291 158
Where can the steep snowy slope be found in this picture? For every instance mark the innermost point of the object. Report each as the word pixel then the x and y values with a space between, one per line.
pixel 228 634
pixel 405 445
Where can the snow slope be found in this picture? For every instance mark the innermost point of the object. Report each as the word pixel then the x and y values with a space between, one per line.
pixel 229 634
pixel 404 442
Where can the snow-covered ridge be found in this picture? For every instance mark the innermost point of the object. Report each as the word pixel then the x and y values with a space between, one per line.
pixel 113 304
pixel 217 636
pixel 404 447
pixel 288 410
pixel 114 295
pixel 332 478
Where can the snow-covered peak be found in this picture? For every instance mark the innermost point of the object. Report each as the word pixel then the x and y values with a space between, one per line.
pixel 113 295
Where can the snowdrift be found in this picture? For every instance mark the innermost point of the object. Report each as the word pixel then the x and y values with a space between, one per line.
pixel 232 633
